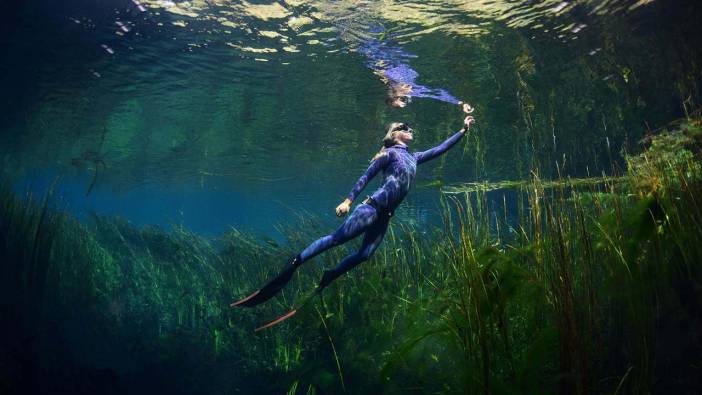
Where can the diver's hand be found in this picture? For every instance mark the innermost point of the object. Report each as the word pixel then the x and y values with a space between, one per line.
pixel 343 208
pixel 467 122
pixel 467 108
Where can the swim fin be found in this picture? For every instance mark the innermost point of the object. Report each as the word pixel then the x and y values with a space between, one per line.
pixel 302 303
pixel 277 320
pixel 272 287
pixel 328 276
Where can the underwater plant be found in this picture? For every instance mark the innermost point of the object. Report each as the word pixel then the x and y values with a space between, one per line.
pixel 591 287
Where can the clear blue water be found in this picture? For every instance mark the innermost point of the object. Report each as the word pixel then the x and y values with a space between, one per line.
pixel 213 114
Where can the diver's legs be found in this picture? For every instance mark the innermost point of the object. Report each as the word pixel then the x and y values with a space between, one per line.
pixel 371 240
pixel 360 219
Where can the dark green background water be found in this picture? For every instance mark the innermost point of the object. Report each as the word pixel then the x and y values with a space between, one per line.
pixel 185 124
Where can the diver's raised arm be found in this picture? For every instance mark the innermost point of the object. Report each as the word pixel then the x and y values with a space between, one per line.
pixel 443 147
pixel 376 166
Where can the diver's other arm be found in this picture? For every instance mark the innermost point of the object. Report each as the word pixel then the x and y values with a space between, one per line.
pixel 375 166
pixel 443 147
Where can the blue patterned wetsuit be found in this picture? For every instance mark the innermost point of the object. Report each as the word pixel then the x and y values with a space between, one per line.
pixel 390 60
pixel 399 167
pixel 404 74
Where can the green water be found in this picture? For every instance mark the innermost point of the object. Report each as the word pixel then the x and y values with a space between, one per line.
pixel 195 107
pixel 191 147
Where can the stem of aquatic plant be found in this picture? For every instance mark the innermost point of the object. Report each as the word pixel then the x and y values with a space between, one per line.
pixel 331 342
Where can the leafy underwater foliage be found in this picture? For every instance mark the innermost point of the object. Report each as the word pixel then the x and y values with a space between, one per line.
pixel 591 287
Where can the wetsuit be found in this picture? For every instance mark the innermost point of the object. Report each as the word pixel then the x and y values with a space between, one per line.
pixel 390 60
pixel 404 74
pixel 399 167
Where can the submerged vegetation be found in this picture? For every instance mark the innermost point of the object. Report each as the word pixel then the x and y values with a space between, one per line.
pixel 592 287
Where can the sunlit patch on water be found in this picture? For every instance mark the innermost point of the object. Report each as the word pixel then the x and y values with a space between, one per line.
pixel 280 23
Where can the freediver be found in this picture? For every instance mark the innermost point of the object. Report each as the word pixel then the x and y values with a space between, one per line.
pixel 402 87
pixel 372 216
pixel 389 61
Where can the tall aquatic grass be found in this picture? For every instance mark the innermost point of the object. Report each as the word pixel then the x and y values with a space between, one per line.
pixel 565 286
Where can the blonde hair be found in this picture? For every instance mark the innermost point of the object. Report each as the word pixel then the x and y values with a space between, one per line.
pixel 389 140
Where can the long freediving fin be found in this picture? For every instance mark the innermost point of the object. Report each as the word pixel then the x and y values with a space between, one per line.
pixel 277 320
pixel 290 313
pixel 246 299
pixel 272 287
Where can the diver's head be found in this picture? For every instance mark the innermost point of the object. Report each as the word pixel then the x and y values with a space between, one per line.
pixel 399 95
pixel 398 133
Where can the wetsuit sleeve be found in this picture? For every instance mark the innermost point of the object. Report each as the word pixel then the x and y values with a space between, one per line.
pixel 441 95
pixel 376 166
pixel 439 149
pixel 436 94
